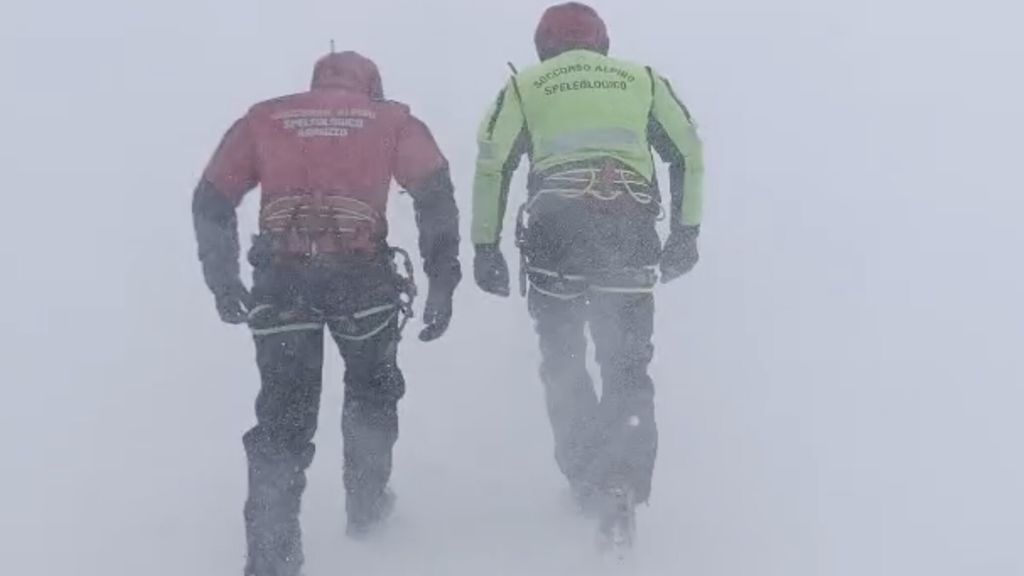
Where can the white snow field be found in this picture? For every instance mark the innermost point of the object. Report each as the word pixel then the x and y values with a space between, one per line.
pixel 840 380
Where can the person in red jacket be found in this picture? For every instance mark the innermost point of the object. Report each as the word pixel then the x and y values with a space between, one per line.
pixel 324 160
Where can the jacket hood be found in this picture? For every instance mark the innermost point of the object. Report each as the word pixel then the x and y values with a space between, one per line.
pixel 570 26
pixel 348 71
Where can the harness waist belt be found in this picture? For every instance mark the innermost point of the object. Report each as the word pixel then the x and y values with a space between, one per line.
pixel 316 223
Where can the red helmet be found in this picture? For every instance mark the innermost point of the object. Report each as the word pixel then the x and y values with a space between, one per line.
pixel 570 26
pixel 351 71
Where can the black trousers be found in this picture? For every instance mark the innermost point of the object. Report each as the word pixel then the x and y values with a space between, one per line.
pixel 591 264
pixel 357 301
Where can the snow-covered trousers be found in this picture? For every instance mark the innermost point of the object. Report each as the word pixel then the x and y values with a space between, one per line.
pixel 594 263
pixel 357 300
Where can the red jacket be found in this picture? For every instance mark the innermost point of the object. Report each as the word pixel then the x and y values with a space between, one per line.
pixel 325 158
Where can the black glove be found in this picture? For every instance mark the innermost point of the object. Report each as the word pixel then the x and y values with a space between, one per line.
pixel 490 270
pixel 216 227
pixel 679 255
pixel 233 303
pixel 437 313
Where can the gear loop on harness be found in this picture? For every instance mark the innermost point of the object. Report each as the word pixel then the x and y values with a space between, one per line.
pixel 558 284
pixel 599 186
pixel 405 280
pixel 311 223
pixel 407 290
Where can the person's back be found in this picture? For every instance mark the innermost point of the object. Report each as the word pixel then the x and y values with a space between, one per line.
pixel 588 122
pixel 583 105
pixel 341 139
pixel 335 141
pixel 590 117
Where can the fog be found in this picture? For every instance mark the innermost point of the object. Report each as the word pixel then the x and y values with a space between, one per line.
pixel 840 380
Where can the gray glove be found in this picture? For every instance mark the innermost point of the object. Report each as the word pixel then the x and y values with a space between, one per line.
pixel 437 313
pixel 490 270
pixel 680 254
pixel 233 303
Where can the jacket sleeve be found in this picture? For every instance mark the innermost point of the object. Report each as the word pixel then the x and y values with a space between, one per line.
pixel 216 228
pixel 423 171
pixel 673 134
pixel 234 168
pixel 231 173
pixel 502 141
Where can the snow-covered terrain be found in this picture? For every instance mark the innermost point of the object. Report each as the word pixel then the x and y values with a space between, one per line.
pixel 840 381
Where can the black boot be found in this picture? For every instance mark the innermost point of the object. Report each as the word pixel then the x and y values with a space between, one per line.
pixel 586 499
pixel 366 514
pixel 617 523
pixel 274 534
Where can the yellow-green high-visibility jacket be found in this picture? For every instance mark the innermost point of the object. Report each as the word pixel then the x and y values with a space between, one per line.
pixel 584 106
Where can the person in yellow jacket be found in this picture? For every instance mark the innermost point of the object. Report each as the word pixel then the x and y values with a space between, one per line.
pixel 590 248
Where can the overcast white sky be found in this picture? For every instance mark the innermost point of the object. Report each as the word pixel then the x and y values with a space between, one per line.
pixel 840 380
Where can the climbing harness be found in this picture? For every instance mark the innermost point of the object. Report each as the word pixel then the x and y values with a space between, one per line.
pixel 347 327
pixel 605 184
